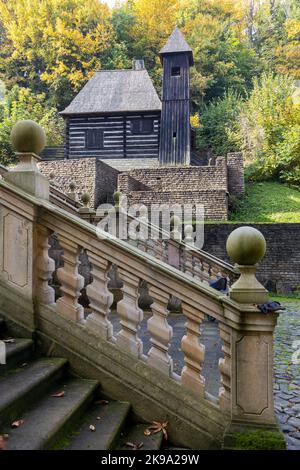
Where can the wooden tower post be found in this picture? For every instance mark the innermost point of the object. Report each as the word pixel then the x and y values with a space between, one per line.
pixel 177 58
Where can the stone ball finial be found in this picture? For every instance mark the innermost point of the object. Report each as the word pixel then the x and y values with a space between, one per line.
pixel 72 186
pixel 175 221
pixel 85 198
pixel 28 137
pixel 117 196
pixel 246 246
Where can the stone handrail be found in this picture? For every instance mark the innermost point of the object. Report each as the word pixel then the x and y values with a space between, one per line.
pixel 192 260
pixel 195 262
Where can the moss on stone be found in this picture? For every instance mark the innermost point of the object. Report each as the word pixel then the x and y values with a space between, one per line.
pixel 258 440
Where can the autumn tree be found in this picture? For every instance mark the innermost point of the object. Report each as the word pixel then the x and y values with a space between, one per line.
pixel 223 59
pixel 53 46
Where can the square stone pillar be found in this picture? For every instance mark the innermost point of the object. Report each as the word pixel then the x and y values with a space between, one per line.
pixel 250 368
pixel 27 176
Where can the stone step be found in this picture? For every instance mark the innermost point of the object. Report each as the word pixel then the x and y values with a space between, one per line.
pixel 47 422
pixel 19 388
pixel 17 354
pixel 135 435
pixel 107 429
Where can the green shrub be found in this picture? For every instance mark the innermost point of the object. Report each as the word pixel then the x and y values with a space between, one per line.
pixel 218 130
pixel 269 126
pixel 20 103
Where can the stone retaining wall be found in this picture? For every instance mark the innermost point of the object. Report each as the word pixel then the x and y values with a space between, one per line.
pixel 168 179
pixel 279 270
pixel 81 171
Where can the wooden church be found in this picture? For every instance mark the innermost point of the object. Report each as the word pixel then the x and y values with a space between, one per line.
pixel 118 113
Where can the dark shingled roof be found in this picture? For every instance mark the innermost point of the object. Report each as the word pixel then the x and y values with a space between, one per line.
pixel 176 44
pixel 111 91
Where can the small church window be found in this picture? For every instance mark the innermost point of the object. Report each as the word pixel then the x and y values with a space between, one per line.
pixel 175 71
pixel 94 139
pixel 142 126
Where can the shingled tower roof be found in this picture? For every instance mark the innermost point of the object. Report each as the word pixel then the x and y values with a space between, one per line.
pixel 177 44
pixel 113 91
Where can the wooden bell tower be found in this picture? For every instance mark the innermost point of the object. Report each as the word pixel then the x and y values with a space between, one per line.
pixel 177 58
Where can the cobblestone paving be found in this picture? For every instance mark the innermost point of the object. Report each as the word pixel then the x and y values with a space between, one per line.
pixel 287 374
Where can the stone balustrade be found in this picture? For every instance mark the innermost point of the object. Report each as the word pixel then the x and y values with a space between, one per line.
pixel 27 220
pixel 246 333
pixel 176 251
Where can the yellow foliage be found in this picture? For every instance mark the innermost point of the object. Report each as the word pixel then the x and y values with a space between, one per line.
pixel 195 121
pixel 155 20
pixel 289 54
pixel 56 38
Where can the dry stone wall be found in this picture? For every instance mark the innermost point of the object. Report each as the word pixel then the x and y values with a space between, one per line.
pixel 81 171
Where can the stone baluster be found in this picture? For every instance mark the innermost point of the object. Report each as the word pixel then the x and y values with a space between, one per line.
pixel 100 297
pixel 197 269
pixel 130 314
pixel 225 368
pixel 165 251
pixel 151 247
pixel 142 245
pixel 176 226
pixel 189 235
pixel 188 263
pixel 144 224
pixel 160 332
pixel 215 271
pixel 193 351
pixel 132 236
pixel 45 267
pixel 71 281
pixel 206 270
pixel 159 249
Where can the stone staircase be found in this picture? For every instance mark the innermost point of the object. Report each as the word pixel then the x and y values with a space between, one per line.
pixel 143 381
pixel 80 419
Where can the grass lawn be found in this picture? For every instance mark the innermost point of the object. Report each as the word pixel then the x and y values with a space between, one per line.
pixel 268 202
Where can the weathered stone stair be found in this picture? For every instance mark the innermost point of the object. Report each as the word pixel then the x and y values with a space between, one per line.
pixel 27 386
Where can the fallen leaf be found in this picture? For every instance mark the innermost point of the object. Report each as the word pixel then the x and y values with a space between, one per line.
pixel 9 340
pixel 59 394
pixel 135 445
pixel 101 402
pixel 98 417
pixel 147 432
pixel 92 428
pixel 3 440
pixel 159 427
pixel 24 364
pixel 18 423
